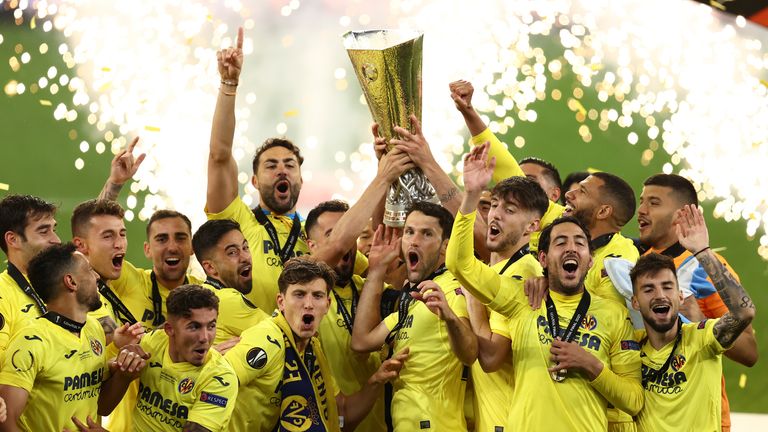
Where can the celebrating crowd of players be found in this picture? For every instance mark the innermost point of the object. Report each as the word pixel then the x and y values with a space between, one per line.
pixel 498 310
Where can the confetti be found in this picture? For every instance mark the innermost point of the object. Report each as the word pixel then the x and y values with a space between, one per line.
pixel 152 128
pixel 742 380
pixel 5 186
pixel 45 102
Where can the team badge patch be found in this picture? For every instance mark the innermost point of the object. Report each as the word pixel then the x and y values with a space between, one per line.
pixel 186 385
pixel 458 291
pixel 256 358
pixel 97 347
pixel 678 361
pixel 213 399
pixel 22 361
pixel 630 345
pixel 589 322
pixel 702 324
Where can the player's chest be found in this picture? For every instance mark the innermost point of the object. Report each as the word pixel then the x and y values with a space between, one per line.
pixel 167 388
pixel 534 331
pixel 78 369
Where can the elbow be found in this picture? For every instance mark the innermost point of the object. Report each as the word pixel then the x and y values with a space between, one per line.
pixel 359 346
pixel 636 400
pixel 489 365
pixel 219 156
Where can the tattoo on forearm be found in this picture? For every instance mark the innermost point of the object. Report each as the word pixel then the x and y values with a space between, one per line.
pixel 110 192
pixel 451 194
pixel 733 295
pixel 109 326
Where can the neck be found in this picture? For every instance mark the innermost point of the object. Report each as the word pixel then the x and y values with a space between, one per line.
pixel 172 353
pixel 659 339
pixel 566 291
pixel 507 253
pixel 602 228
pixel 18 263
pixel 170 284
pixel 665 242
pixel 301 344
pixel 276 213
pixel 69 308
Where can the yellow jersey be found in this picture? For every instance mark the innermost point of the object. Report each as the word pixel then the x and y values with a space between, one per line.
pixel 598 283
pixel 62 373
pixel 429 393
pixel 351 370
pixel 236 313
pixel 267 265
pixel 16 309
pixel 259 362
pixel 538 402
pixel 689 392
pixel 174 393
pixel 493 391
pixel 507 166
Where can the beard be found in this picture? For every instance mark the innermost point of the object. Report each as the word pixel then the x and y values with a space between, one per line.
pixel 267 196
pixel 505 243
pixel 660 326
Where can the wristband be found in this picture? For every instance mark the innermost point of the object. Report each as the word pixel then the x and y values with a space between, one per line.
pixel 229 83
pixel 694 255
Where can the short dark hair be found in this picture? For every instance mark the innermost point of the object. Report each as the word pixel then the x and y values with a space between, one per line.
pixel 573 178
pixel 82 214
pixel 16 211
pixel 183 299
pixel 528 194
pixel 443 216
pixel 651 264
pixel 48 267
pixel 620 195
pixel 208 235
pixel 333 206
pixel 546 234
pixel 681 187
pixel 550 171
pixel 303 270
pixel 276 142
pixel 167 214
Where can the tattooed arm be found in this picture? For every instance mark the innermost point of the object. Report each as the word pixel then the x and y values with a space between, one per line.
pixel 693 235
pixel 109 326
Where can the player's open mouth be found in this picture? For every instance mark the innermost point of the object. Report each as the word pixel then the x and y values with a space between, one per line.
pixel 117 261
pixel 570 266
pixel 200 351
pixel 246 271
pixel 493 230
pixel 661 309
pixel 172 262
pixel 307 318
pixel 642 223
pixel 413 260
pixel 282 186
pixel 568 209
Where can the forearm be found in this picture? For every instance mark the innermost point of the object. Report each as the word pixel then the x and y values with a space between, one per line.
pixel 741 310
pixel 355 407
pixel 449 194
pixel 222 168
pixel 744 350
pixel 474 122
pixel 463 341
pixel 622 391
pixel 368 315
pixel 223 127
pixel 110 191
pixel 112 392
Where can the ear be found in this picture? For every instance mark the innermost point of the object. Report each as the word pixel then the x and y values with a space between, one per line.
pixel 11 238
pixel 591 261
pixel 605 211
pixel 554 194
pixel 81 245
pixel 209 268
pixel 255 181
pixel 311 245
pixel 168 328
pixel 443 247
pixel 532 227
pixel 281 302
pixel 146 250
pixel 70 282
pixel 543 259
pixel 635 303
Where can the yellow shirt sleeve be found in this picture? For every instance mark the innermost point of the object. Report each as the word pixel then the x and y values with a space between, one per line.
pixel 260 352
pixel 23 359
pixel 506 165
pixel 391 320
pixel 458 305
pixel 214 407
pixel 499 324
pixel 501 294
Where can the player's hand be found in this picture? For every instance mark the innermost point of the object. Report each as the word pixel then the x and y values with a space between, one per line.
pixel 571 356
pixel 230 60
pixel 227 345
pixel 414 144
pixel 379 142
pixel 128 334
pixel 91 425
pixel 461 93
pixel 390 368
pixel 385 247
pixel 691 229
pixel 130 361
pixel 478 170
pixel 536 290
pixel 434 298
pixel 124 165
pixel 394 164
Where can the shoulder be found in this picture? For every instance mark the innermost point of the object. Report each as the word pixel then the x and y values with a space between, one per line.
pixel 447 282
pixel 621 247
pixel 154 340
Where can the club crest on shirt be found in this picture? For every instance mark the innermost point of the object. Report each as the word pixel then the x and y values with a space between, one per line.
pixel 186 385
pixel 256 358
pixel 678 361
pixel 97 347
pixel 589 322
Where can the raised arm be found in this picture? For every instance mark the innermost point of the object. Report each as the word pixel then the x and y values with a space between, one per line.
pixel 492 348
pixel 693 235
pixel 417 148
pixel 222 168
pixel 369 331
pixel 354 220
pixel 122 169
pixel 461 93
